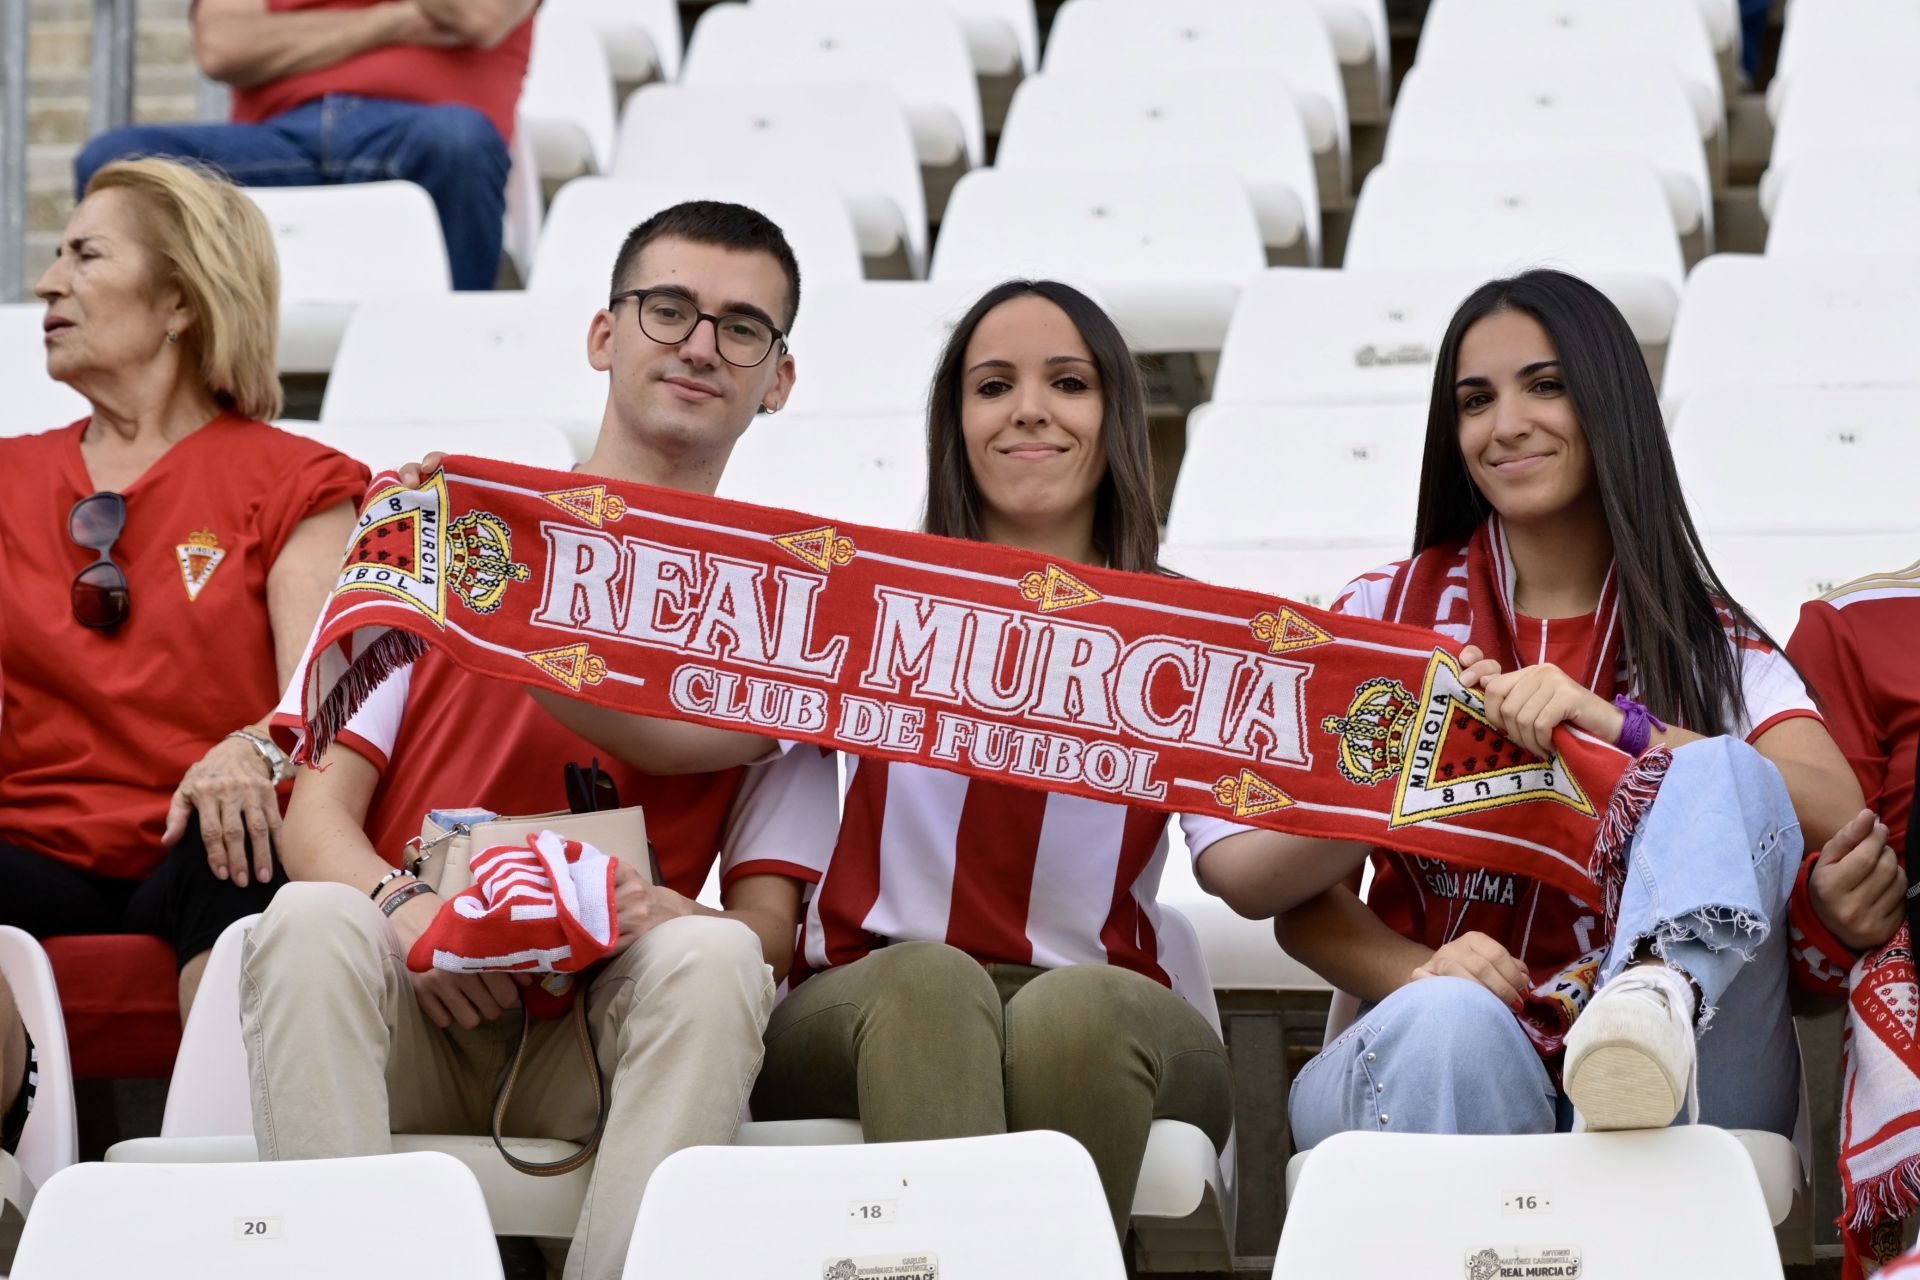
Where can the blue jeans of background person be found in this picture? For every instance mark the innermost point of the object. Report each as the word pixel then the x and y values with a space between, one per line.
pixel 1753 30
pixel 1710 869
pixel 452 151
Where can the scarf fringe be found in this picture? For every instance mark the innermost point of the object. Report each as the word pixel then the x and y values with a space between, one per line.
pixel 1639 788
pixel 1885 1197
pixel 392 650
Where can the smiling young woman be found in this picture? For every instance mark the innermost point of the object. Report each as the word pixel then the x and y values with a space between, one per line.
pixel 1552 540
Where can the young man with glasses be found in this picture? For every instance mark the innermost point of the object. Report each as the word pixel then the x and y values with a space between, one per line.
pixel 346 1046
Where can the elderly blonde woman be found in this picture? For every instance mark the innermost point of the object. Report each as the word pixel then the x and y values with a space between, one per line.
pixel 162 562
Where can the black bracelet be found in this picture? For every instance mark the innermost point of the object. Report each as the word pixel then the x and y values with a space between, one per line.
pixel 386 880
pixel 403 894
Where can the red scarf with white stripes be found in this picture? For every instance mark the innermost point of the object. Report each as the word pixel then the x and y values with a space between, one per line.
pixel 987 660
pixel 1467 594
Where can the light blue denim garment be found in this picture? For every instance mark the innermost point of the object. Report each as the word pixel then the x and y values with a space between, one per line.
pixel 451 150
pixel 1709 871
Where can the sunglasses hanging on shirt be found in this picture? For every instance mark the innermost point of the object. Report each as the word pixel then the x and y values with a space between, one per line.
pixel 101 598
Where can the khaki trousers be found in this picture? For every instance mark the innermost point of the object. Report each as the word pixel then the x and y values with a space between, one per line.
pixel 341 1056
pixel 920 1041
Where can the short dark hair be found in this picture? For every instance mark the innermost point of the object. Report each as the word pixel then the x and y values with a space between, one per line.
pixel 715 222
pixel 1684 666
pixel 1126 528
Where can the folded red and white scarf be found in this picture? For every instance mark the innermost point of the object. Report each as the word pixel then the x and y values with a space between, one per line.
pixel 543 907
pixel 1879 1119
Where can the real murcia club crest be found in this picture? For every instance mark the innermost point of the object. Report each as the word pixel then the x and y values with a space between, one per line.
pixel 396 548
pixel 822 548
pixel 199 556
pixel 480 563
pixel 1446 757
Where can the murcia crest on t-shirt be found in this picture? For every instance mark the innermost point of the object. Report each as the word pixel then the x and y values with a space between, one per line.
pixel 199 556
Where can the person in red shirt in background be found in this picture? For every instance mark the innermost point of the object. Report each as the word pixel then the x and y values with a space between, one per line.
pixel 162 562
pixel 329 91
pixel 1854 646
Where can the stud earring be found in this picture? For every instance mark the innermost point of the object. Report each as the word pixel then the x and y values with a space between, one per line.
pixel 172 336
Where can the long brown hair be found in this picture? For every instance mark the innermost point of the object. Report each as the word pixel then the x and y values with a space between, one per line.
pixel 1126 529
pixel 1685 667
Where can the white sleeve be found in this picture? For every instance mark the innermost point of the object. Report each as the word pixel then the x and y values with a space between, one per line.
pixel 1771 689
pixel 1202 830
pixel 371 731
pixel 785 819
pixel 1366 595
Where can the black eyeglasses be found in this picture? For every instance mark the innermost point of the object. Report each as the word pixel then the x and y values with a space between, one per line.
pixel 100 596
pixel 669 319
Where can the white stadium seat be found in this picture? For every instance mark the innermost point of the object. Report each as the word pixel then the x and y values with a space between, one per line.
pixel 854 135
pixel 1540 33
pixel 1773 574
pixel 870 348
pixel 471 357
pixel 50 1139
pixel 526 203
pixel 1866 103
pixel 1013 1205
pixel 918 50
pixel 1303 476
pixel 1168 257
pixel 1747 320
pixel 566 101
pixel 1604 218
pixel 297 1219
pixel 641 38
pixel 868 471
pixel 1830 461
pixel 590 219
pixel 1852 202
pixel 340 245
pixel 1688 1200
pixel 1870 37
pixel 1002 35
pixel 1625 106
pixel 384 446
pixel 1311 575
pixel 1283 37
pixel 1243 119
pixel 1362 42
pixel 1338 337
pixel 33 402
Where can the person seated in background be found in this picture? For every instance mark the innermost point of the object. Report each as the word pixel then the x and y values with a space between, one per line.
pixel 334 91
pixel 1855 648
pixel 1552 539
pixel 165 559
pixel 345 1045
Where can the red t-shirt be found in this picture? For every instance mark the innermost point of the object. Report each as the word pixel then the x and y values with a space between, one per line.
pixel 465 741
pixel 100 725
pixel 488 80
pixel 1857 649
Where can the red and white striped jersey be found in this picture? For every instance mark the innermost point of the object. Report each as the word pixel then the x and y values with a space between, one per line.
pixel 1007 874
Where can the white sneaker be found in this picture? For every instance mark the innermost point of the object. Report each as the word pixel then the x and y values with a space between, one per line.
pixel 1631 1052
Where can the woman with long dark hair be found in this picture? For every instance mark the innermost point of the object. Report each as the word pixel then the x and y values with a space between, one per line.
pixel 984 957
pixel 1552 540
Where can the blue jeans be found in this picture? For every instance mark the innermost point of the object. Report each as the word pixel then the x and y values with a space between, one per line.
pixel 452 151
pixel 1710 868
pixel 1753 30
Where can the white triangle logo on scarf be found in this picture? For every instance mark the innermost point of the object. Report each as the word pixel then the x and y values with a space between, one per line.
pixel 199 556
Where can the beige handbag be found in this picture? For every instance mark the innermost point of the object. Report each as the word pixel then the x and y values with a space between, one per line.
pixel 442 856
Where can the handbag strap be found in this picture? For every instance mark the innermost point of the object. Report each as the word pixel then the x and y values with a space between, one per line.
pixel 584 1039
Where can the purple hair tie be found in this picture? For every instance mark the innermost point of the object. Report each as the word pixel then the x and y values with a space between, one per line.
pixel 1638 728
